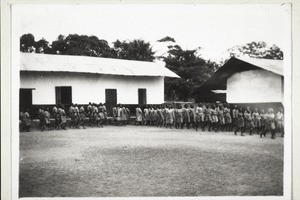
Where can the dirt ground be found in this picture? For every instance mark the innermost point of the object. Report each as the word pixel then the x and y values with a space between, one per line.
pixel 148 161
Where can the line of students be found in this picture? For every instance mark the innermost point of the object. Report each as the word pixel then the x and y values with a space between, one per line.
pixel 198 116
pixel 93 115
pixel 214 117
pixel 121 114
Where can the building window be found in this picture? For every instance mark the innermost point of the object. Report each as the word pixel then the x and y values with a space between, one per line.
pixel 63 95
pixel 110 100
pixel 142 96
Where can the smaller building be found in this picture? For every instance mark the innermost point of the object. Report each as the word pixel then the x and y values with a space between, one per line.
pixel 46 80
pixel 245 81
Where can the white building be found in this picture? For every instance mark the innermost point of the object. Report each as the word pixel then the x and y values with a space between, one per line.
pixel 247 81
pixel 59 79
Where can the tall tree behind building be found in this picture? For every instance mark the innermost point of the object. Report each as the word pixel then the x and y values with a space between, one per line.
pixel 75 44
pixel 192 69
pixel 257 50
pixel 134 50
pixel 27 43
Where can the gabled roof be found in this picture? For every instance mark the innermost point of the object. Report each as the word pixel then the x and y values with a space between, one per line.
pixel 96 65
pixel 234 65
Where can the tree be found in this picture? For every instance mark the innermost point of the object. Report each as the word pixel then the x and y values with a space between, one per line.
pixel 85 45
pixel 257 50
pixel 134 50
pixel 27 43
pixel 192 69
pixel 42 46
pixel 166 39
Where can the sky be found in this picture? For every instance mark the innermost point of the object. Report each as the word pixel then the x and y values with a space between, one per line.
pixel 214 28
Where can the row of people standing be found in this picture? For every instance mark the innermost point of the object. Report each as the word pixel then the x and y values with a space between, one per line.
pixel 217 117
pixel 261 121
pixel 121 114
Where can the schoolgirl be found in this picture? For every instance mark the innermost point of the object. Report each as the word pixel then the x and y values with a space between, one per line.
pixel 248 120
pixel 82 117
pixel 256 120
pixel 47 119
pixel 127 111
pixel 139 115
pixel 63 119
pixel 279 121
pixel 228 119
pixel 240 122
pixel 214 120
pixel 235 112
pixel 146 115
pixel 192 114
pixel 221 117
pixel 41 116
pixel 270 124
pixel 185 117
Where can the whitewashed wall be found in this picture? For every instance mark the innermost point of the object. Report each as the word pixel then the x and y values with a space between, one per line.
pixel 91 87
pixel 254 86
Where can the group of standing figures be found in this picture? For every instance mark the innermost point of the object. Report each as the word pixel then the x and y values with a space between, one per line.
pixel 213 117
pixel 93 115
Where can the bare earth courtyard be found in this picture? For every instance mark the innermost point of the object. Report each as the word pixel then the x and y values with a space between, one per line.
pixel 148 161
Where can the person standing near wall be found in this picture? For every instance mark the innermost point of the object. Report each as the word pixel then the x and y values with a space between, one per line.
pixel 115 114
pixel 185 117
pixel 248 120
pixel 214 119
pixel 280 121
pixel 192 114
pixel 227 117
pixel 207 116
pixel 262 122
pixel 221 116
pixel 240 122
pixel 270 123
pixel 127 114
pixel 47 119
pixel 146 115
pixel 82 117
pixel 139 115
pixel 41 117
pixel 256 120
pixel 235 112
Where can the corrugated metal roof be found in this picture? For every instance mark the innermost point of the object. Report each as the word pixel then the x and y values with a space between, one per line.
pixel 85 64
pixel 234 65
pixel 275 66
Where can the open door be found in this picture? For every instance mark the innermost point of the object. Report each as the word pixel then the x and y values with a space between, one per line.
pixel 25 100
pixel 142 96
pixel 110 100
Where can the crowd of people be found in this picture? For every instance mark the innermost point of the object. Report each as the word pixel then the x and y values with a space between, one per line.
pixel 210 117
pixel 213 117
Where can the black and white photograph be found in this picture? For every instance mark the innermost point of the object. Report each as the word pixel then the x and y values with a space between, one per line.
pixel 152 100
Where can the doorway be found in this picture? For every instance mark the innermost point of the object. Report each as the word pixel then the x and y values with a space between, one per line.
pixel 142 96
pixel 25 100
pixel 110 100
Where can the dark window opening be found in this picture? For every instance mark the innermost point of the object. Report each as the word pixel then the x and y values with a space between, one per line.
pixel 110 100
pixel 142 96
pixel 63 95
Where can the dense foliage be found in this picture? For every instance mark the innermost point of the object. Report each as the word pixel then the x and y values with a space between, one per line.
pixel 85 45
pixel 257 50
pixel 192 69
